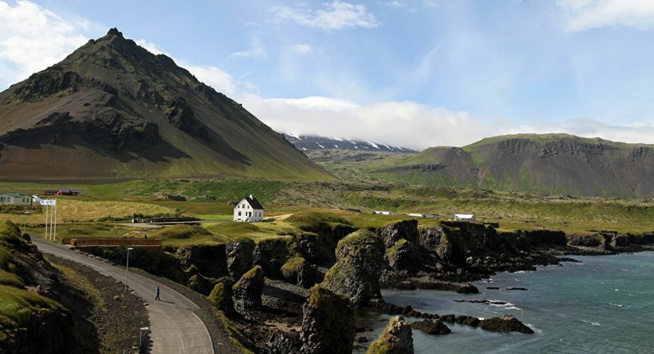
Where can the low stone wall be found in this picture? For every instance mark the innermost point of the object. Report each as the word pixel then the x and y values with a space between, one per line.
pixel 114 242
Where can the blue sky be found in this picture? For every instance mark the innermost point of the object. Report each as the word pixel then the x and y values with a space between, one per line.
pixel 411 73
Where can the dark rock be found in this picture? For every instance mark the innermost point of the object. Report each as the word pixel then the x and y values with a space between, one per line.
pixel 432 326
pixel 317 249
pixel 328 323
pixel 298 271
pixel 357 271
pixel 200 284
pixel 240 255
pixel 407 230
pixel 221 295
pixel 271 254
pixel 404 255
pixel 247 291
pixel 449 318
pixel 467 289
pixel 506 324
pixel 209 260
pixel 396 338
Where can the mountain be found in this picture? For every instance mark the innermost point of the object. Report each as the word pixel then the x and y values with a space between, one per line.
pixel 315 142
pixel 112 109
pixel 549 163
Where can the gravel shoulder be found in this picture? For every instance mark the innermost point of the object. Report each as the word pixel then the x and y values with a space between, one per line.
pixel 108 318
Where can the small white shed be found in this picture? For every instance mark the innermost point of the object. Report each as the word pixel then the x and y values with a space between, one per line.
pixel 464 217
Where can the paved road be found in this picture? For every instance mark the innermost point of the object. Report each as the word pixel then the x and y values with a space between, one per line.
pixel 173 325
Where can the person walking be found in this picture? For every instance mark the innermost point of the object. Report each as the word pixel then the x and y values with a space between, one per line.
pixel 157 291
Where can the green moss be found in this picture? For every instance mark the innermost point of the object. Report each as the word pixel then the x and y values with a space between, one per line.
pixel 293 265
pixel 221 295
pixel 250 274
pixel 390 253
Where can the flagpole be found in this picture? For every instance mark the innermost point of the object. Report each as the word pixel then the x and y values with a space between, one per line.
pixel 47 235
pixel 55 221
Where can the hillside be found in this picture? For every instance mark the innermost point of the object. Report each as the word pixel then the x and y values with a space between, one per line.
pixel 112 109
pixel 550 163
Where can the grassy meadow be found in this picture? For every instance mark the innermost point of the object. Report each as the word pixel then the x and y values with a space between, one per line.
pixel 106 209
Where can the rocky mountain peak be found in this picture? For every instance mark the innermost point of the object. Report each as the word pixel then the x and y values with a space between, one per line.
pixel 130 108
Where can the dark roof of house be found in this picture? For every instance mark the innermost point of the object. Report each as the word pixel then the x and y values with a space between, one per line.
pixel 254 203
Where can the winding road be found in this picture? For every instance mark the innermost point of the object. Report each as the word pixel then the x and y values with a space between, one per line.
pixel 174 327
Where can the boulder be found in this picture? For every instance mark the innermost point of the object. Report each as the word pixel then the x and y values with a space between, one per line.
pixel 432 326
pixel 505 324
pixel 200 284
pixel 396 338
pixel 298 271
pixel 240 257
pixel 359 266
pixel 327 323
pixel 221 295
pixel 247 291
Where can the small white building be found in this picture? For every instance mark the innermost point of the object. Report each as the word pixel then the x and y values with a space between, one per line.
pixel 464 217
pixel 248 210
pixel 16 199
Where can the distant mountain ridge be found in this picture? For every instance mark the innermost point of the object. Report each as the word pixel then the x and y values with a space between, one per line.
pixel 316 142
pixel 548 163
pixel 111 109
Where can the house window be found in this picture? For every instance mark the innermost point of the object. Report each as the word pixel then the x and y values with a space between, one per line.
pixel 239 213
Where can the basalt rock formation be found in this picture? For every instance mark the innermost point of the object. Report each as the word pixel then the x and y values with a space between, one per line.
pixel 240 257
pixel 396 338
pixel 247 291
pixel 328 323
pixel 359 266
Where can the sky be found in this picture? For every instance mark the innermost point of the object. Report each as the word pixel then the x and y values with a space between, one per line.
pixel 416 74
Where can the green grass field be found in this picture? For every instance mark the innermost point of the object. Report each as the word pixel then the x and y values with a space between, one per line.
pixel 103 210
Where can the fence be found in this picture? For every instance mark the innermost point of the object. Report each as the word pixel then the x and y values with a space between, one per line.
pixel 114 242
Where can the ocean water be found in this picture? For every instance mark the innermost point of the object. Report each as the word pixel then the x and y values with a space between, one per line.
pixel 603 304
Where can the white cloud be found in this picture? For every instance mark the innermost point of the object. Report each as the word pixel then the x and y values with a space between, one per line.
pixel 581 15
pixel 257 50
pixel 395 3
pixel 336 15
pixel 220 80
pixel 302 49
pixel 33 38
pixel 406 124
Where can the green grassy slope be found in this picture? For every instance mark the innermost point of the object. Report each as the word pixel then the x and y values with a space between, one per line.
pixel 548 163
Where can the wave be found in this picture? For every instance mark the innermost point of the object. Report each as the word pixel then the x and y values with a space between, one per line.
pixel 591 323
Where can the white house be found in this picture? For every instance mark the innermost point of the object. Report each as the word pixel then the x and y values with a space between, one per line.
pixel 16 199
pixel 248 210
pixel 464 217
